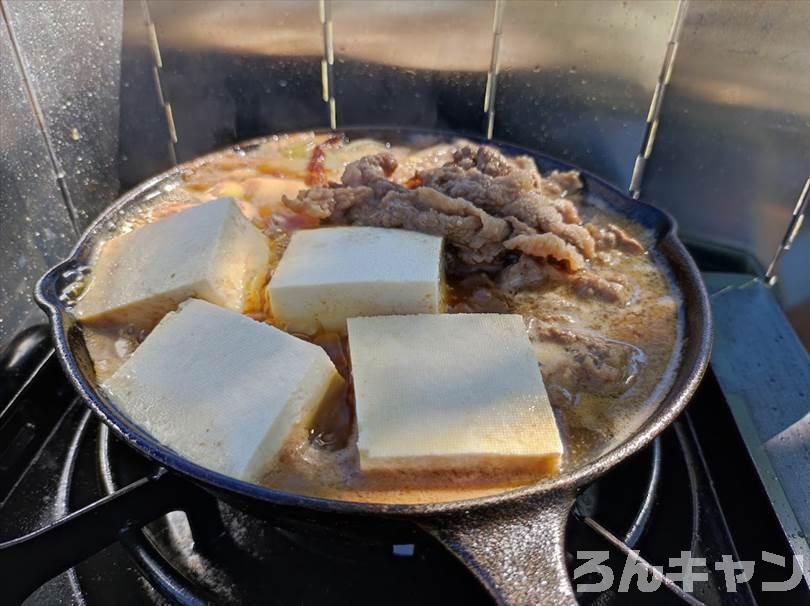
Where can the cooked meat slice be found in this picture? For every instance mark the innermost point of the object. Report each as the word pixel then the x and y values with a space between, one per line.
pixel 463 157
pixel 575 235
pixel 547 245
pixel 528 165
pixel 505 190
pixel 363 180
pixel 483 204
pixel 624 240
pixel 477 293
pixel 554 185
pixel 425 159
pixel 612 236
pixel 426 197
pixel 463 231
pixel 612 287
pixel 453 203
pixel 542 330
pixel 473 282
pixel 492 162
pixel 472 184
pixel 482 301
pixel 329 202
pixel 588 362
pixel 372 171
pixel 368 169
pixel 519 228
pixel 509 196
pixel 567 210
pixel 476 234
pixel 543 215
pixel 525 274
pixel 472 230
pixel 568 181
pixel 605 369
pixel 488 160
pixel 458 264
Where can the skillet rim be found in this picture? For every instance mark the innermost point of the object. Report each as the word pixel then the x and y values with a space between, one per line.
pixel 690 372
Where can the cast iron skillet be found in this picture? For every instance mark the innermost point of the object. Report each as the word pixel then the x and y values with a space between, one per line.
pixel 512 541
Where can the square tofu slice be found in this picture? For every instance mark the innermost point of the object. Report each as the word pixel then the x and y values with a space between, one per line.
pixel 210 251
pixel 327 275
pixel 223 390
pixel 450 392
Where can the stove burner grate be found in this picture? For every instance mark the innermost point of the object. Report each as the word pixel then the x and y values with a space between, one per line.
pixel 196 556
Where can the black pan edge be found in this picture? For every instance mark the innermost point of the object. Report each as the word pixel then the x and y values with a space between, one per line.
pixel 694 360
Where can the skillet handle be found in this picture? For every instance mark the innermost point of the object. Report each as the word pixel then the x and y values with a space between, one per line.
pixel 31 560
pixel 516 550
pixel 49 286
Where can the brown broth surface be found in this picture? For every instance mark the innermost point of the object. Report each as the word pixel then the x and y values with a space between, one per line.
pixel 647 326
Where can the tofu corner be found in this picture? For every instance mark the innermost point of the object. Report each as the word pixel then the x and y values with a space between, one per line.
pixel 210 251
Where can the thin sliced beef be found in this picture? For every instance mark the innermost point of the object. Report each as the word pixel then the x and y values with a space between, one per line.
pixel 556 184
pixel 589 362
pixel 529 273
pixel 612 237
pixel 477 235
pixel 509 196
pixel 612 287
pixel 547 245
pixel 487 160
pixel 484 204
pixel 489 180
pixel 477 293
pixel 425 159
pixel 368 197
pixel 372 171
pixel 567 182
pixel 329 202
pixel 567 210
pixel 525 274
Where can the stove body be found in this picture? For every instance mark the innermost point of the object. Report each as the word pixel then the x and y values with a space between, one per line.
pixel 700 107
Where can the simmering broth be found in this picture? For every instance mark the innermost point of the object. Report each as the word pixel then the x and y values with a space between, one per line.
pixel 607 337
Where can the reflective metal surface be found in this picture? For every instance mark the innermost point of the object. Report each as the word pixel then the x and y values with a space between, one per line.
pixel 35 228
pixel 419 63
pixel 145 146
pixel 733 146
pixel 71 53
pixel 577 79
pixel 118 82
pixel 767 396
pixel 236 70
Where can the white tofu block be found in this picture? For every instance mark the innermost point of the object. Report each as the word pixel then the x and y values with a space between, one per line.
pixel 450 392
pixel 210 251
pixel 223 390
pixel 327 275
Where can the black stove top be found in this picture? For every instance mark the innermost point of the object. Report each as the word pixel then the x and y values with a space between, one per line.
pixel 694 490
